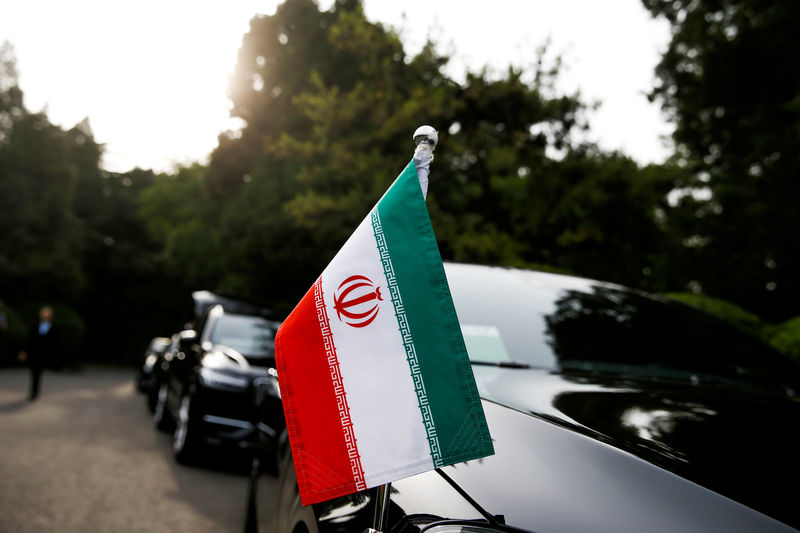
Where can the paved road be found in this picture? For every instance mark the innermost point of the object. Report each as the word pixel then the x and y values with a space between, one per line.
pixel 85 457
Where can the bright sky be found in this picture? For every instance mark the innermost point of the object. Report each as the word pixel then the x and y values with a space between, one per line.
pixel 151 75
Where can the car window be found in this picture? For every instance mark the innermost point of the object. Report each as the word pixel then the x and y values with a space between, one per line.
pixel 249 335
pixel 565 323
pixel 501 317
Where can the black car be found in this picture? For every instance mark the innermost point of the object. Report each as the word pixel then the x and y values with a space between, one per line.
pixel 179 342
pixel 214 378
pixel 146 376
pixel 610 410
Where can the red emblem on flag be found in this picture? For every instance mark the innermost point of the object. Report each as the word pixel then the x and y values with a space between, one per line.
pixel 356 301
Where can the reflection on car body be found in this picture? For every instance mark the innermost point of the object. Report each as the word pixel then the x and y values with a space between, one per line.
pixel 610 410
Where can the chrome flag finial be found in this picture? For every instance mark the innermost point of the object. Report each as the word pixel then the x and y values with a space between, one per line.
pixel 428 135
pixel 425 138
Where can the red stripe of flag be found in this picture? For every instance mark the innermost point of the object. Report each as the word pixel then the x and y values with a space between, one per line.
pixel 317 388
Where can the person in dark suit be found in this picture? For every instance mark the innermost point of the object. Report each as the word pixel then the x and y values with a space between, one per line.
pixel 41 348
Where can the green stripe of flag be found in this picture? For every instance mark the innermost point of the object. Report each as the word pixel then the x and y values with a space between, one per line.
pixel 458 418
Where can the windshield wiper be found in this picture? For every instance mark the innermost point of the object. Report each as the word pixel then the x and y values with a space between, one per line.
pixel 496 522
pixel 501 364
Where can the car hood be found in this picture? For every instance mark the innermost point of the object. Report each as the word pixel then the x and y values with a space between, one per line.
pixel 735 441
pixel 546 478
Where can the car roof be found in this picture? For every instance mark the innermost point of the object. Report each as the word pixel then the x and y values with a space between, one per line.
pixel 204 300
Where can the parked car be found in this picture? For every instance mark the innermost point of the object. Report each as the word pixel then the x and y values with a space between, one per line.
pixel 213 378
pixel 610 410
pixel 179 342
pixel 146 374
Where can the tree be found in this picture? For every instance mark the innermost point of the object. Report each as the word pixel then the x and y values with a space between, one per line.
pixel 73 235
pixel 132 293
pixel 730 82
pixel 330 100
pixel 181 217
pixel 37 185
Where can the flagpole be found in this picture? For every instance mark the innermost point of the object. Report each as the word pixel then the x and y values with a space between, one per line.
pixel 425 139
pixel 381 508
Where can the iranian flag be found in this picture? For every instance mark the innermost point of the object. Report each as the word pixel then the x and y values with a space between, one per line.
pixel 374 374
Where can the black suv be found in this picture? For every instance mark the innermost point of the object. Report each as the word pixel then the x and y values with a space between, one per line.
pixel 215 377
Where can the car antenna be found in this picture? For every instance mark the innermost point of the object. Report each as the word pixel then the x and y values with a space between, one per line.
pixel 492 519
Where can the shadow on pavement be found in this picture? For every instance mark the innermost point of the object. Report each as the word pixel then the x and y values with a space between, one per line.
pixel 10 407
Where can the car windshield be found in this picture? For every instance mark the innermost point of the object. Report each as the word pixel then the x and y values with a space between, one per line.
pixel 512 317
pixel 251 336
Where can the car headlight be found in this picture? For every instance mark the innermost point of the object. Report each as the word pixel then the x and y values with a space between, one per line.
pixel 220 380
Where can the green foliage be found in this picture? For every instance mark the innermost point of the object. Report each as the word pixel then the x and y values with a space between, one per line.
pixel 72 233
pixel 742 319
pixel 329 101
pixel 37 184
pixel 131 296
pixel 786 337
pixel 730 82
pixel 336 104
pixel 181 217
